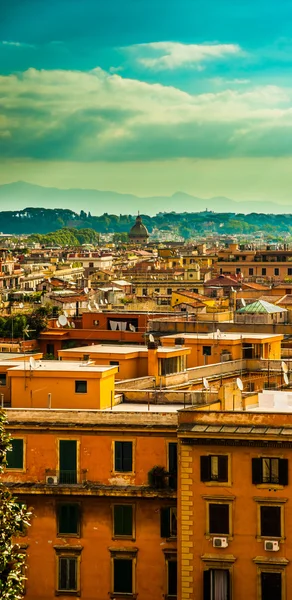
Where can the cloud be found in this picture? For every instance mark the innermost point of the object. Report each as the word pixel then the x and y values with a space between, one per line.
pixel 98 116
pixel 174 55
pixel 16 44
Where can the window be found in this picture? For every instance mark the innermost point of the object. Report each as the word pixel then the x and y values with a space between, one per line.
pixel 276 271
pixel 68 461
pixel 270 521
pixel 207 350
pixel 123 459
pixel 264 271
pixel 144 291
pixel 219 519
pixel 250 271
pixel 270 470
pixel 123 575
pixel 289 271
pixel 68 516
pixel 217 584
pixel 171 578
pixel 115 363
pixel 15 457
pixel 67 576
pixel 2 379
pixel 271 586
pixel 168 522
pixel 169 290
pixel 238 270
pixel 80 387
pixel 123 520
pixel 172 465
pixel 214 468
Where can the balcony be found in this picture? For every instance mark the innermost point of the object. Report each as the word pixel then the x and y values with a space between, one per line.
pixel 53 477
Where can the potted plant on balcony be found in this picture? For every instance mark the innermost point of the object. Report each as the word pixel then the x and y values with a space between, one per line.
pixel 157 477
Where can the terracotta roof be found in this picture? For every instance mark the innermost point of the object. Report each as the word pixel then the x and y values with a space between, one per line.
pixel 285 300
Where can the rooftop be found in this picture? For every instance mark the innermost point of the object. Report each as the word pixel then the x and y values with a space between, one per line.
pixel 261 307
pixel 61 366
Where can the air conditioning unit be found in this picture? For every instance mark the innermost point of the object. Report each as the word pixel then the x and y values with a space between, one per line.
pixel 271 546
pixel 220 542
pixel 52 480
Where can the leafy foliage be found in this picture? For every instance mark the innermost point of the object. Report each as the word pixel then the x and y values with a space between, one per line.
pixel 13 518
pixel 16 325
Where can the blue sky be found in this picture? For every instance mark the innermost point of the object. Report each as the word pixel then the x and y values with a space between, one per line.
pixel 148 96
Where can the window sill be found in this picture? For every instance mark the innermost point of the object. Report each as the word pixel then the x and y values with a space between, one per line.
pixel 264 538
pixel 69 535
pixel 122 596
pixel 132 473
pixel 270 486
pixel 130 538
pixel 218 483
pixel 210 536
pixel 171 539
pixel 67 593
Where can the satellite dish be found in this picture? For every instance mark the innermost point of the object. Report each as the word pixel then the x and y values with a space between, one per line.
pixel 73 325
pixel 21 305
pixel 151 338
pixel 89 307
pixel 206 383
pixel 218 332
pixel 86 290
pixel 32 363
pixel 105 301
pixel 286 378
pixel 132 327
pixel 239 384
pixel 96 305
pixel 243 302
pixel 58 324
pixel 65 313
pixel 232 289
pixel 49 280
pixel 63 320
pixel 284 367
pixel 101 301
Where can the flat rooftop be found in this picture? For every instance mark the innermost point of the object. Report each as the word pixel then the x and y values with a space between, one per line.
pixel 153 408
pixel 224 336
pixel 62 366
pixel 107 349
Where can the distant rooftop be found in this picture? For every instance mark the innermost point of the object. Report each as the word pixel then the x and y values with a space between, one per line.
pixel 261 307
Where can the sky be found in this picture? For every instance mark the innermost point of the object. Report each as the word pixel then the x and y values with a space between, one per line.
pixel 148 96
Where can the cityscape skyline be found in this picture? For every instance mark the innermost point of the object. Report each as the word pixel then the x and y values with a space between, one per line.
pixel 148 100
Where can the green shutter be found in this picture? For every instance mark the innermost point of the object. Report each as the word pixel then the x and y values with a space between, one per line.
pixel 123 520
pixel 68 519
pixel 68 461
pixel 165 522
pixel 118 456
pixel 15 456
pixel 123 576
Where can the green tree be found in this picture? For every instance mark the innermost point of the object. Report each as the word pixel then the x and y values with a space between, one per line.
pixel 13 518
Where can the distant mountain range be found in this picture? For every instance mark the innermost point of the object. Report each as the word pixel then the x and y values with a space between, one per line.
pixel 19 195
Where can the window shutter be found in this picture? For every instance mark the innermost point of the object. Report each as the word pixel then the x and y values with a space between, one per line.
pixel 222 468
pixel 207 585
pixel 118 456
pixel 72 574
pixel 205 468
pixel 15 457
pixel 127 451
pixel 283 471
pixel 68 518
pixel 165 522
pixel 257 471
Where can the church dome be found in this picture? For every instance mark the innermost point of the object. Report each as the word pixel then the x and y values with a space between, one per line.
pixel 138 230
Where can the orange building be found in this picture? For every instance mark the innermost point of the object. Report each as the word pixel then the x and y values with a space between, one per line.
pixel 234 519
pixel 100 528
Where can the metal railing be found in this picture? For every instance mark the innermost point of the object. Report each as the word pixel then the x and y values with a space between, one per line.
pixel 64 477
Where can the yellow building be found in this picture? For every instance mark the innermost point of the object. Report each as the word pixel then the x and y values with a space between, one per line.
pixel 55 384
pixel 132 361
pixel 210 348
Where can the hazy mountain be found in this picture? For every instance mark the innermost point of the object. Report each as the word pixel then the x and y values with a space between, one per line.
pixel 19 195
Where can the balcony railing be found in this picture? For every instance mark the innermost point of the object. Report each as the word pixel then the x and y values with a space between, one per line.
pixel 65 477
